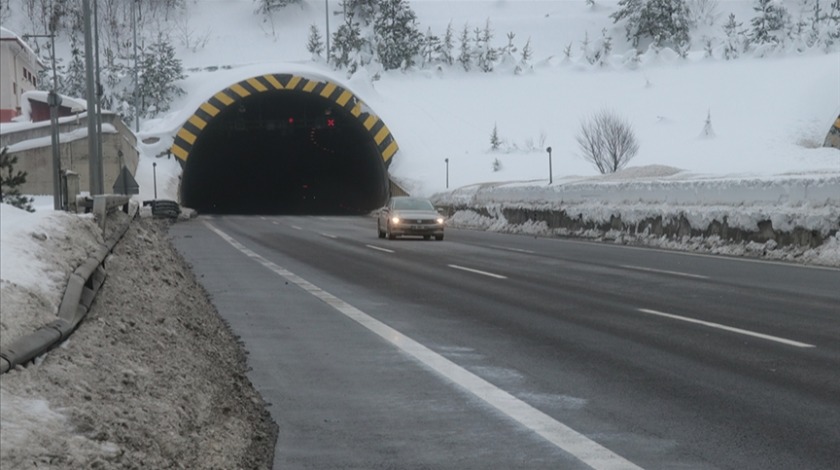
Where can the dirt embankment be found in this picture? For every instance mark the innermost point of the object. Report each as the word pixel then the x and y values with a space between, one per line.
pixel 152 378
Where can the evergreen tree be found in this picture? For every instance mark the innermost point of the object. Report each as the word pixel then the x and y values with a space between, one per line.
pixel 363 10
pixel 495 140
pixel 527 52
pixel 431 48
pixel 465 57
pixel 159 69
pixel 833 24
pixel 448 45
pixel 602 55
pixel 486 54
pixel 631 12
pixel 10 180
pixel 818 19
pixel 397 38
pixel 315 45
pixel 268 6
pixel 734 38
pixel 74 82
pixel 347 41
pixel 769 23
pixel 664 22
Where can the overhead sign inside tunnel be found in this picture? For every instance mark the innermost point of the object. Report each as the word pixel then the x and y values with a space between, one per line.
pixel 379 133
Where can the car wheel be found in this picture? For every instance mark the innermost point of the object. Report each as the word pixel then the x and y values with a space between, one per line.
pixel 438 237
pixel 379 231
pixel 389 234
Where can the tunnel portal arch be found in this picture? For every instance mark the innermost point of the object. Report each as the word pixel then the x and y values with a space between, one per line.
pixel 316 147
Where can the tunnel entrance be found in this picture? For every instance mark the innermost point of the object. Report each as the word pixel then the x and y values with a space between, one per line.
pixel 288 150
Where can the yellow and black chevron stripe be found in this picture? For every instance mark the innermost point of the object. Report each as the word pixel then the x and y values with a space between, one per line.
pixel 189 132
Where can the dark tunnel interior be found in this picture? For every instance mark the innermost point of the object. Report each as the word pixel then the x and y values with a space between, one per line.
pixel 284 152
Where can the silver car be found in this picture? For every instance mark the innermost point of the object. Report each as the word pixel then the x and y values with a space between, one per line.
pixel 409 216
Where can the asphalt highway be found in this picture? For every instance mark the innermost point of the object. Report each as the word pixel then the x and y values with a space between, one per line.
pixel 488 350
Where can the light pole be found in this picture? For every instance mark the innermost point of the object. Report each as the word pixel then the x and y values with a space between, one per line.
pixel 447 172
pixel 550 177
pixel 54 101
pixel 327 16
pixel 98 84
pixel 154 178
pixel 136 73
pixel 96 183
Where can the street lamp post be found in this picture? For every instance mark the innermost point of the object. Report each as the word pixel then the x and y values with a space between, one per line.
pixel 327 16
pixel 550 176
pixel 447 172
pixel 134 7
pixel 54 101
pixel 96 184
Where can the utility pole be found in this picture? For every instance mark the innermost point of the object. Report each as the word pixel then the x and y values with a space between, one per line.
pixel 95 164
pixel 134 6
pixel 327 16
pixel 54 101
pixel 98 85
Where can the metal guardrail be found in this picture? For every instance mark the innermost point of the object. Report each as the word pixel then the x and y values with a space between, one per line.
pixel 82 287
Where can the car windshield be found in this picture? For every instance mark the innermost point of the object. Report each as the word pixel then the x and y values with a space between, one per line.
pixel 413 204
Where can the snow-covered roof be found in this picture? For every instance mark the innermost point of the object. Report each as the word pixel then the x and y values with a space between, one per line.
pixel 75 104
pixel 9 35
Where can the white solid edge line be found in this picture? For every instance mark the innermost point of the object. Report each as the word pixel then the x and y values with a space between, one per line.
pixel 719 326
pixel 373 247
pixel 476 271
pixel 588 451
pixel 663 271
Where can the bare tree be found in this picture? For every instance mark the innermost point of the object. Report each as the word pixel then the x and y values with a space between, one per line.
pixel 607 141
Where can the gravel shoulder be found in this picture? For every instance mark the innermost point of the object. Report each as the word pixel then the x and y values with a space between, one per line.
pixel 153 377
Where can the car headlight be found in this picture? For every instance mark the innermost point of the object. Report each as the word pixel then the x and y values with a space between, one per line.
pixel 439 220
pixel 395 220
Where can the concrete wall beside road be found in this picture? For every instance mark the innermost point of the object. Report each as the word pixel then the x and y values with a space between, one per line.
pixel 33 148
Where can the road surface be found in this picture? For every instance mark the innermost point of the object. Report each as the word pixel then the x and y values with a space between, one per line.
pixel 489 350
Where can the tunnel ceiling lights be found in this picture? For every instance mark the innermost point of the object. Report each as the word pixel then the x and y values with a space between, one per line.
pixel 234 94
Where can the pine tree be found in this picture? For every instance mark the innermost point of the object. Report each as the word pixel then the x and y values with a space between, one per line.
pixel 10 180
pixel 602 55
pixel 159 70
pixel 769 23
pixel 268 6
pixel 734 38
pixel 664 22
pixel 447 46
pixel 347 40
pixel 465 57
pixel 495 140
pixel 527 52
pixel 431 48
pixel 397 38
pixel 631 12
pixel 363 10
pixel 833 24
pixel 74 82
pixel 487 55
pixel 315 45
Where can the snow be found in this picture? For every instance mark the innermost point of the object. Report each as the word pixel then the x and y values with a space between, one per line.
pixel 765 159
